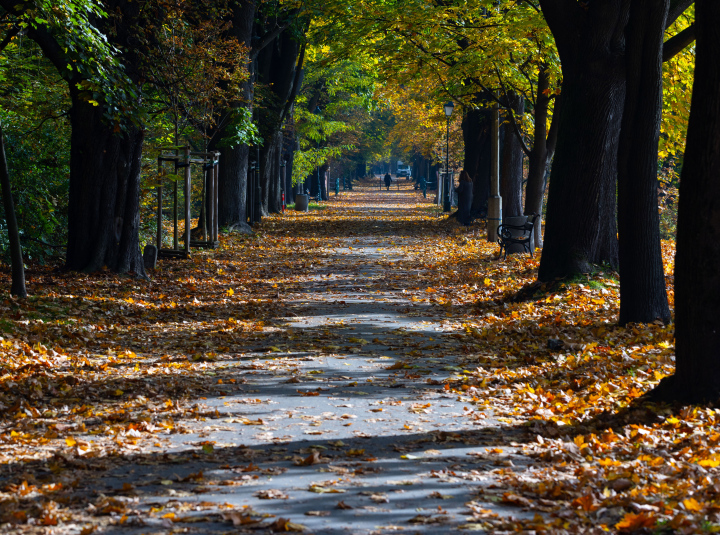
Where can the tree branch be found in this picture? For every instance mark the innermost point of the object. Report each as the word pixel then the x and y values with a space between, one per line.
pixel 270 36
pixel 677 8
pixel 554 127
pixel 678 42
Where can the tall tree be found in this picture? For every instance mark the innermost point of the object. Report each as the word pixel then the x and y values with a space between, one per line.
pixel 642 280
pixel 643 297
pixel 233 139
pixel 580 229
pixel 511 166
pixel 280 70
pixel 697 278
pixel 103 220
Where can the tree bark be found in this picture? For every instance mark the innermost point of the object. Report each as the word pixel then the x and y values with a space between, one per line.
pixel 541 153
pixel 104 217
pixel 642 280
pixel 511 168
pixel 279 68
pixel 275 189
pixel 476 134
pixel 17 286
pixel 104 200
pixel 697 277
pixel 233 172
pixel 580 229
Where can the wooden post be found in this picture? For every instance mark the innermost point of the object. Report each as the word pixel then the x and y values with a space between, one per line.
pixel 159 190
pixel 188 190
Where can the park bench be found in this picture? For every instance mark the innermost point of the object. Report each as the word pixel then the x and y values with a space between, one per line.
pixel 517 235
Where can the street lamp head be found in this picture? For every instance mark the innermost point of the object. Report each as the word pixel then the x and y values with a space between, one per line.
pixel 449 108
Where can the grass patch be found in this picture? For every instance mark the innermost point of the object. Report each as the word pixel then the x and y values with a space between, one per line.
pixel 313 205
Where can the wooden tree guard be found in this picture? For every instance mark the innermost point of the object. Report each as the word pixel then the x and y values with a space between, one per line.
pixel 183 158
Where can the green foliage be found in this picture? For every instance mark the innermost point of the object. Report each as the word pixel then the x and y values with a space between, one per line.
pixel 240 130
pixel 678 75
pixel 34 117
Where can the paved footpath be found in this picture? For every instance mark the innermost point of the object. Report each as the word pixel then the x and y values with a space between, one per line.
pixel 338 423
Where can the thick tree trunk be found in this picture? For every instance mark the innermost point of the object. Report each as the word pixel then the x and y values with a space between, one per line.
pixel 697 277
pixel 104 209
pixel 580 229
pixel 476 134
pixel 511 168
pixel 17 286
pixel 104 217
pixel 233 176
pixel 232 185
pixel 642 280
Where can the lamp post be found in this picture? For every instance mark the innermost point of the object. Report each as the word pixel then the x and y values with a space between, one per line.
pixel 448 112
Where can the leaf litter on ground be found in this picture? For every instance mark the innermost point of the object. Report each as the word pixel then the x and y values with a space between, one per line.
pixel 98 368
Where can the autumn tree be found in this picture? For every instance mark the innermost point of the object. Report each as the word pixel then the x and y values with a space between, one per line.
pixel 475 54
pixel 106 146
pixel 697 279
pixel 279 68
pixel 642 280
pixel 612 83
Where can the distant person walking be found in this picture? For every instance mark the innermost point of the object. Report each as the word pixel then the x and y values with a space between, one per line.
pixel 465 195
pixel 388 181
pixel 423 186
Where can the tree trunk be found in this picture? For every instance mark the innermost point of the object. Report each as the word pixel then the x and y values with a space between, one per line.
pixel 233 172
pixel 642 280
pixel 104 200
pixel 580 229
pixel 511 168
pixel 232 185
pixel 17 286
pixel 289 158
pixel 697 277
pixel 476 134
pixel 542 152
pixel 280 67
pixel 275 189
pixel 104 216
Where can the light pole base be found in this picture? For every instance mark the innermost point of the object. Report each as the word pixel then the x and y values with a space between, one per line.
pixel 494 218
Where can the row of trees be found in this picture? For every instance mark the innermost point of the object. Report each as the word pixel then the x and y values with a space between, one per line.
pixel 581 84
pixel 590 76
pixel 122 79
pixel 603 67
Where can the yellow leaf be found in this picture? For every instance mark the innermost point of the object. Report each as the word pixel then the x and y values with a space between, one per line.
pixel 70 441
pixel 691 504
